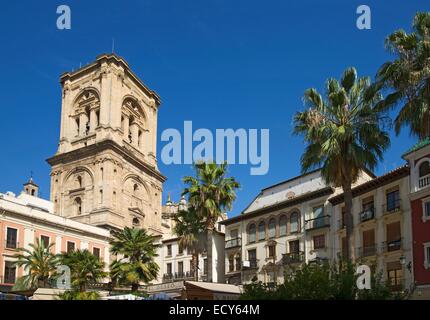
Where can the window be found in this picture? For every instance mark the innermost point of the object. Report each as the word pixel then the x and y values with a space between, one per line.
pixel 231 263
pixel 11 238
pixel 252 257
pixel 424 169
pixel 394 275
pixel 79 181
pixel 427 210
pixel 252 230
pixel 261 231
pixel 238 262
pixel 394 238
pixel 272 228
pixel 393 200
pixel 169 249
pixel 205 266
pixel 282 225
pixel 70 246
pixel 368 204
pixel 180 249
pixel 271 251
pixel 180 267
pixel 427 255
pixel 9 272
pixel 294 246
pixel 45 241
pixel 169 268
pixel 78 206
pixel 319 241
pixel 96 252
pixel 294 222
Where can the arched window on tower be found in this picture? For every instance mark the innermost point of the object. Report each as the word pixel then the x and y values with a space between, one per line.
pixel 78 206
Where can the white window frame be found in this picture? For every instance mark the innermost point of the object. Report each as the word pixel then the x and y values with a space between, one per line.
pixel 426 255
pixel 424 201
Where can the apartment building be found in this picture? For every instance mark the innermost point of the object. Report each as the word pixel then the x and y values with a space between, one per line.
pixel 285 225
pixel 26 218
pixel 381 235
pixel 176 262
pixel 419 162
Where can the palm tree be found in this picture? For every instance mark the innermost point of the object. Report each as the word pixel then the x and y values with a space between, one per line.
pixel 39 263
pixel 85 268
pixel 190 228
pixel 211 194
pixel 344 134
pixel 409 76
pixel 138 252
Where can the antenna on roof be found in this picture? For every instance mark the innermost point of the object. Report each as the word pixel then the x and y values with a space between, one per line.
pixel 113 45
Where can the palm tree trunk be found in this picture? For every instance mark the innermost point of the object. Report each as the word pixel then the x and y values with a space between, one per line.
pixel 209 255
pixel 348 221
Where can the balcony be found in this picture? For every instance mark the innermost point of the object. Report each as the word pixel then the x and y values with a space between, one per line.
pixel 390 246
pixel 317 223
pixel 233 243
pixel 392 207
pixel 367 251
pixel 178 276
pixel 293 257
pixel 250 264
pixel 12 245
pixel 424 182
pixel 367 215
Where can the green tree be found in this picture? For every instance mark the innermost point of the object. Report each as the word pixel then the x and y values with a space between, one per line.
pixel 138 252
pixel 210 194
pixel 320 282
pixel 344 134
pixel 409 76
pixel 85 268
pixel 38 262
pixel 190 229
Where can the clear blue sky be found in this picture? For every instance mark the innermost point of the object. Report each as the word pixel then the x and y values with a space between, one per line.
pixel 220 63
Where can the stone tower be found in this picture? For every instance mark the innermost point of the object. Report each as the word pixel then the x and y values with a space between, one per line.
pixel 105 170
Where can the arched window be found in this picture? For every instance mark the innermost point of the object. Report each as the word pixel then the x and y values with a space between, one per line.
pixel 261 231
pixel 424 169
pixel 78 206
pixel 272 228
pixel 283 225
pixel 294 222
pixel 252 230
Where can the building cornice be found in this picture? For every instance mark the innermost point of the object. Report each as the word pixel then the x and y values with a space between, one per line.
pixel 111 58
pixel 373 184
pixel 281 205
pixel 98 147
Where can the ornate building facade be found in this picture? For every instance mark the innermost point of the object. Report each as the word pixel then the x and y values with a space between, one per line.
pixel 105 170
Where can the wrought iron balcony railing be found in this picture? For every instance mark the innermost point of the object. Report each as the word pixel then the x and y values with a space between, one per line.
pixel 367 251
pixel 178 276
pixel 293 257
pixel 394 245
pixel 367 214
pixel 233 243
pixel 317 223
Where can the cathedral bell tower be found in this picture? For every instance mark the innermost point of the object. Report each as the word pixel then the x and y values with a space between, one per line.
pixel 105 170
